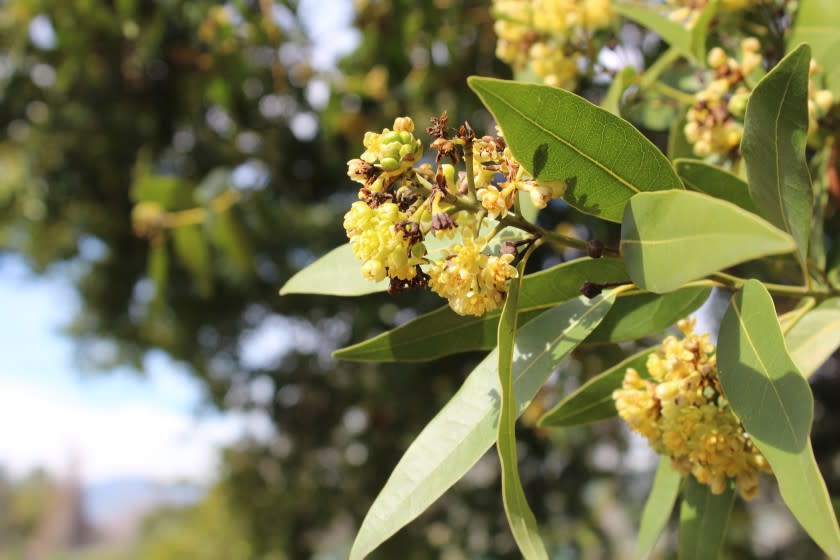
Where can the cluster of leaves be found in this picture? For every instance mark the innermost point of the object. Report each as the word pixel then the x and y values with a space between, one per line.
pixel 686 225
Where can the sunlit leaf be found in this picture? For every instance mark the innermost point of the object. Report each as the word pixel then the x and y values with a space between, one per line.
pixel 601 159
pixel 774 402
pixel 338 273
pixel 670 238
pixel 521 519
pixel 443 332
pixel 658 508
pixel 815 337
pixel 466 427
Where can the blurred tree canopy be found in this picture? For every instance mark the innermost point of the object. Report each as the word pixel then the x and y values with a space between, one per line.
pixel 178 161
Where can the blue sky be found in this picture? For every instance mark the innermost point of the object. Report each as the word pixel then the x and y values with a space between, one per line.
pixel 120 424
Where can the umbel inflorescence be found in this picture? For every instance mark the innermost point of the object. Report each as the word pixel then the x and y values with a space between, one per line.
pixel 405 202
pixel 679 406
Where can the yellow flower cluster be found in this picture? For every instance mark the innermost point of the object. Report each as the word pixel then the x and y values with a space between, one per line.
pixel 686 12
pixel 378 241
pixel 549 37
pixel 714 124
pixel 683 413
pixel 403 200
pixel 473 282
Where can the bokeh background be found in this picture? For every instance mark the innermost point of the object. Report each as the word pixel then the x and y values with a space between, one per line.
pixel 158 399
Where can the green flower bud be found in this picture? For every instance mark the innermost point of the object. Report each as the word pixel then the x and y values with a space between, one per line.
pixel 406 150
pixel 418 250
pixel 406 137
pixel 391 150
pixel 738 104
pixel 389 164
pixel 389 138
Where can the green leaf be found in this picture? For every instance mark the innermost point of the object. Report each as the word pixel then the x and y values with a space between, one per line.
pixel 816 23
pixel 558 136
pixel 775 132
pixel 193 253
pixel 704 518
pixel 815 337
pixel 716 182
pixel 774 402
pixel 638 315
pixel 658 508
pixel 443 332
pixel 706 235
pixel 338 273
pixel 521 519
pixel 466 426
pixel 593 400
pixel 691 42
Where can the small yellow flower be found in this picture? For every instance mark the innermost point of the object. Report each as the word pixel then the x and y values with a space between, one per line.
pixel 379 244
pixel 473 282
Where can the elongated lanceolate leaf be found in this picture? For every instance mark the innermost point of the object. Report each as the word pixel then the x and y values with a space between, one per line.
pixel 775 130
pixel 658 508
pixel 466 427
pixel 639 315
pixel 704 518
pixel 521 519
pixel 670 238
pixel 815 337
pixel 714 181
pixel 558 136
pixel 443 332
pixel 774 402
pixel 338 273
pixel 593 400
pixel 816 23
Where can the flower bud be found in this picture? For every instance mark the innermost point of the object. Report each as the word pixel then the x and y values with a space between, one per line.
pixel 738 104
pixel 389 164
